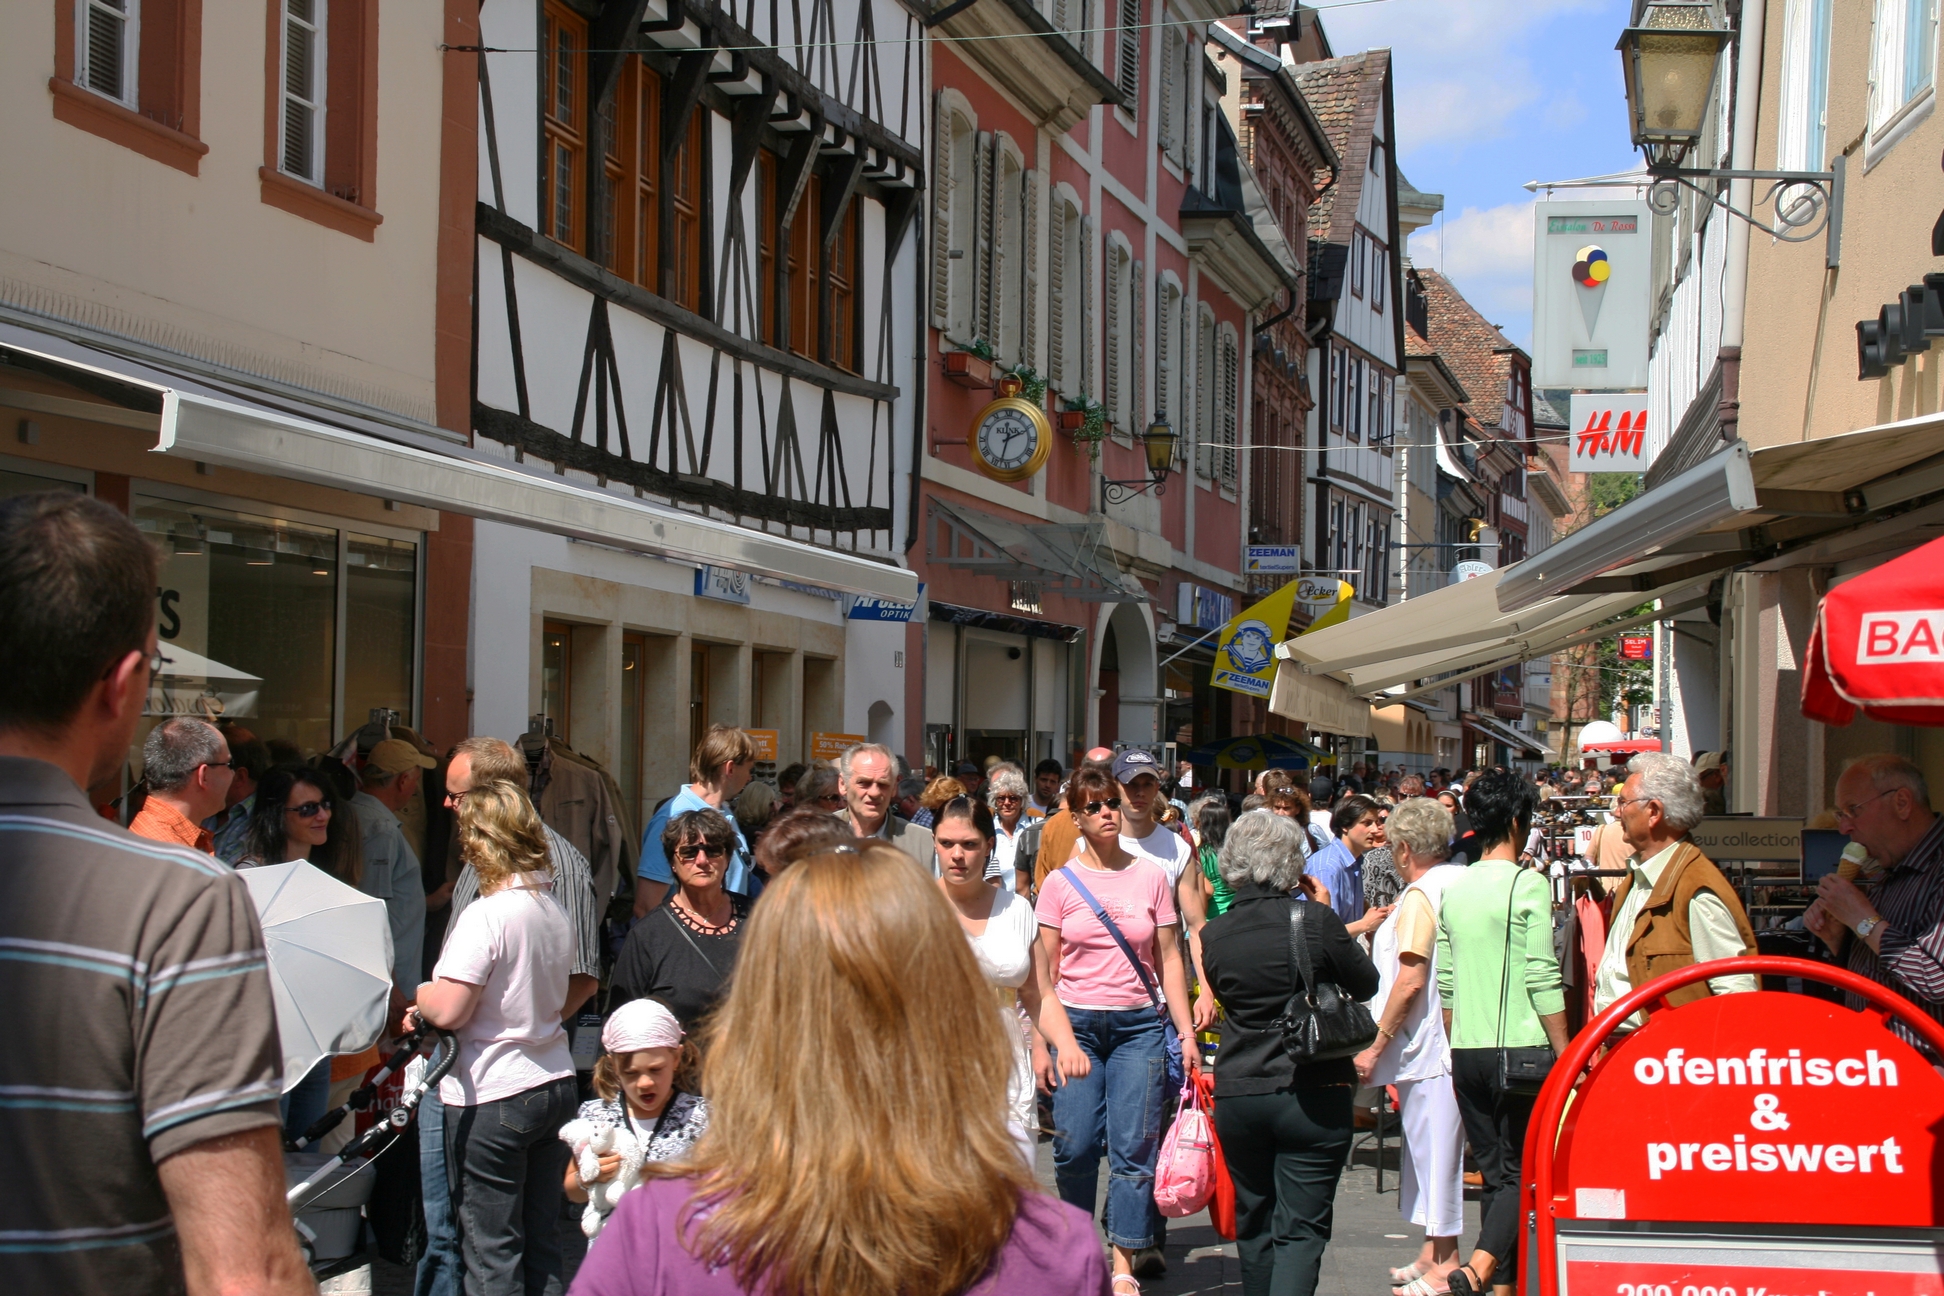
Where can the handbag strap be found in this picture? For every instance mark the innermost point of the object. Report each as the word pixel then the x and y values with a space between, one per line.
pixel 1300 963
pixel 1100 914
pixel 1505 969
pixel 682 927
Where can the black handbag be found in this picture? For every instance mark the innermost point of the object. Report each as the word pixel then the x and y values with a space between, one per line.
pixel 1521 1070
pixel 1320 1022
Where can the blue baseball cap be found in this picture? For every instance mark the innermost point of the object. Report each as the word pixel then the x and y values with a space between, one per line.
pixel 1134 762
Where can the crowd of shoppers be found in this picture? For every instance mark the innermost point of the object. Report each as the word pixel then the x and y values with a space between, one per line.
pixel 1037 936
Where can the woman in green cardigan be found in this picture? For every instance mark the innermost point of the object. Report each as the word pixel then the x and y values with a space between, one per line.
pixel 1497 914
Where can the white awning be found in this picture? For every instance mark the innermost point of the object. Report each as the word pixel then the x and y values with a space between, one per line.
pixel 1511 737
pixel 1740 507
pixel 255 438
pixel 1324 704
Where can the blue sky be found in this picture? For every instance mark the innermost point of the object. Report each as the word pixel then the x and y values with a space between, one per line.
pixel 1491 94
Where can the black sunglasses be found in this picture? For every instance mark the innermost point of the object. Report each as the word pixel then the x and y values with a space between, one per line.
pixel 686 853
pixel 308 810
pixel 1094 807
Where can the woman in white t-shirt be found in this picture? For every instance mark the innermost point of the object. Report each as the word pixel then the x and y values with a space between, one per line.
pixel 501 987
pixel 999 923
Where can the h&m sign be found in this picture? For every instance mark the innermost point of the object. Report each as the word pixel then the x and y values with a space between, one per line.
pixel 1608 433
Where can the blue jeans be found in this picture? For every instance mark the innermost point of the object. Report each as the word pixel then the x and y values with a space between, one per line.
pixel 1115 1111
pixel 306 1104
pixel 440 1268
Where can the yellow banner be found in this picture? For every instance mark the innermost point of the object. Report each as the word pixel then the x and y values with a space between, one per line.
pixel 1245 651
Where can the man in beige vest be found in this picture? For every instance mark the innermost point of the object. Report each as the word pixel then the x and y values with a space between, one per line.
pixel 1676 908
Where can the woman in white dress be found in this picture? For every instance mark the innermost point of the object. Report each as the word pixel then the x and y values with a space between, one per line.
pixel 1412 1051
pixel 1004 934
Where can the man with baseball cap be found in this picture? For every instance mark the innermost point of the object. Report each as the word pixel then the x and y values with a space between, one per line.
pixel 390 775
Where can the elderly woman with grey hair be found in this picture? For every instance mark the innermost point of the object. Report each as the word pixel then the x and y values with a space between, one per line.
pixel 1285 1128
pixel 820 787
pixel 1411 1050
pixel 1005 796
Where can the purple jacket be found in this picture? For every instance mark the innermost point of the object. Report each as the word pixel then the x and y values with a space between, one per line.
pixel 1053 1251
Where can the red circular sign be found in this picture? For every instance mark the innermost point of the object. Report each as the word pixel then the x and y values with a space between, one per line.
pixel 1764 1107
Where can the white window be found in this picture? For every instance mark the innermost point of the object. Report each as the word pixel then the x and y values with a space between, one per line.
pixel 303 89
pixel 1804 129
pixel 960 202
pixel 1904 59
pixel 1004 299
pixel 1338 389
pixel 1379 273
pixel 1127 77
pixel 1118 389
pixel 107 43
pixel 1357 242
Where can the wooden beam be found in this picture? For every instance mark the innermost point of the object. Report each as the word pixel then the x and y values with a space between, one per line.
pixel 840 183
pixel 680 94
pixel 745 136
pixel 795 174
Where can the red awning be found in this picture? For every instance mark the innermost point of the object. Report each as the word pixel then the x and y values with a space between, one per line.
pixel 1632 746
pixel 1878 645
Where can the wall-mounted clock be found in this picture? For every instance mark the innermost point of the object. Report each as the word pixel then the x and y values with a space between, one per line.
pixel 1010 437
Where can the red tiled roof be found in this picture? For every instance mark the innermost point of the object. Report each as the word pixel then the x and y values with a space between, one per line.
pixel 1347 96
pixel 1473 348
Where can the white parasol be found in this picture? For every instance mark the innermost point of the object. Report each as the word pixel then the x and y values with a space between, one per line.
pixel 330 954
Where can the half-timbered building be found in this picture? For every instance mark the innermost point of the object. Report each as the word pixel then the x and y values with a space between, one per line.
pixel 697 280
pixel 1093 235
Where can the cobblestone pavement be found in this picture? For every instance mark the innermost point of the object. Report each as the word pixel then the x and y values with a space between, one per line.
pixel 1369 1240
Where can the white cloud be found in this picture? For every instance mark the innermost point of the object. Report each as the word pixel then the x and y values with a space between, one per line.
pixel 1487 255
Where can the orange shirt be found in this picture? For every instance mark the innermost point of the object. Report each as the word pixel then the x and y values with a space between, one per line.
pixel 165 823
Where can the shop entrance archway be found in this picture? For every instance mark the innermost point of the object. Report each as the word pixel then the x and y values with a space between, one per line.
pixel 1127 676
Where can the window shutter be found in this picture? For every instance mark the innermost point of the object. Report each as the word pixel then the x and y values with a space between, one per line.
pixel 106 57
pixel 998 298
pixel 1204 398
pixel 1164 352
pixel 1129 79
pixel 1229 376
pixel 941 266
pixel 1191 96
pixel 1087 320
pixel 1137 347
pixel 981 251
pixel 1029 351
pixel 1172 68
pixel 1114 385
pixel 1056 272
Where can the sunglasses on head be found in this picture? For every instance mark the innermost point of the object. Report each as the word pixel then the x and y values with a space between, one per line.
pixel 308 810
pixel 1095 807
pixel 831 798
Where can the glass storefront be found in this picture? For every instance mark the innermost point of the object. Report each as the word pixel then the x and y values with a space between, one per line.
pixel 295 627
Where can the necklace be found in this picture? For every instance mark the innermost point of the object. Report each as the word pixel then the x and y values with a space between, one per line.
pixel 695 922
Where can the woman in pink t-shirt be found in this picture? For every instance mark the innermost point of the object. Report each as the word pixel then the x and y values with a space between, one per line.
pixel 1114 1008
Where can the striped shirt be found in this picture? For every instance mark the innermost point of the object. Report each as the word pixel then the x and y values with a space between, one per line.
pixel 135 1005
pixel 1910 898
pixel 573 888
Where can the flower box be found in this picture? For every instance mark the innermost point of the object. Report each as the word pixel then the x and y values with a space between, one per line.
pixel 968 370
pixel 1071 420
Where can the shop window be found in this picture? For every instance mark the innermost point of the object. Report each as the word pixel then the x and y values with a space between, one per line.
pixel 14 482
pixel 321 156
pixel 557 676
pixel 563 111
pixel 381 618
pixel 686 173
pixel 248 612
pixel 700 694
pixel 130 71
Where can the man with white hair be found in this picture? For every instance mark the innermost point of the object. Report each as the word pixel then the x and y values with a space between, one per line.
pixel 1675 907
pixel 870 775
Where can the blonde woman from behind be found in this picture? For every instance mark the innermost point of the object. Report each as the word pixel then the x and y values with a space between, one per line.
pixel 826 1171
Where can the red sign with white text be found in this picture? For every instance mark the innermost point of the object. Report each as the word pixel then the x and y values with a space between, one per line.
pixel 1636 647
pixel 1763 1108
pixel 1758 1271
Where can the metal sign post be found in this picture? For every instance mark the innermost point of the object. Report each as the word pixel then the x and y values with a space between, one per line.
pixel 1745 1143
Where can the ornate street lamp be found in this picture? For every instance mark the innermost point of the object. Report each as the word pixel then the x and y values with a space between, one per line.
pixel 1159 444
pixel 1670 62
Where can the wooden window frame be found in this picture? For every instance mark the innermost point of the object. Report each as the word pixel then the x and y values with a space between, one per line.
pixel 841 284
pixel 802 273
pixel 686 277
pixel 167 117
pixel 563 135
pixel 347 201
pixel 632 167
pixel 768 324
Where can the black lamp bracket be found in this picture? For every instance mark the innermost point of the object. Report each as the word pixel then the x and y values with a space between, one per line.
pixel 1119 492
pixel 1806 203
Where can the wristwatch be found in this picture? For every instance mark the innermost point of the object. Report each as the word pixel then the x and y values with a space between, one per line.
pixel 1868 925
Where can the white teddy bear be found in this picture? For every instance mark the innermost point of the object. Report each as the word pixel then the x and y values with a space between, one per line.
pixel 590 1142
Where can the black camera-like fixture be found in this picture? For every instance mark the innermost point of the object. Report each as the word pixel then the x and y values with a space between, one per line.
pixel 1902 328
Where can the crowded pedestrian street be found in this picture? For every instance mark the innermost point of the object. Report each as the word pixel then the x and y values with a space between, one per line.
pixel 972 648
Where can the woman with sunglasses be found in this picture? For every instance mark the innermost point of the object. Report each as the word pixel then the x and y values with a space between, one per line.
pixel 1114 999
pixel 1005 792
pixel 682 952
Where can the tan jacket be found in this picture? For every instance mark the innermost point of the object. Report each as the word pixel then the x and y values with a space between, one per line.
pixel 1661 941
pixel 907 837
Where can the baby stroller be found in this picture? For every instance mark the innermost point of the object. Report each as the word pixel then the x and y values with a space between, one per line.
pixel 330 1194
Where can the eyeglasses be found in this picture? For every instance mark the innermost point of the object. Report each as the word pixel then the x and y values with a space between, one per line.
pixel 687 853
pixel 452 799
pixel 157 661
pixel 308 810
pixel 1095 807
pixel 1850 812
pixel 831 798
pixel 1619 801
pixel 1006 798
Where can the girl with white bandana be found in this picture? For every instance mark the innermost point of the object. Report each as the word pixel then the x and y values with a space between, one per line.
pixel 635 1079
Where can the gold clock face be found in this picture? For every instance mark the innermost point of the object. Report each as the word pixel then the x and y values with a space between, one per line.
pixel 1010 439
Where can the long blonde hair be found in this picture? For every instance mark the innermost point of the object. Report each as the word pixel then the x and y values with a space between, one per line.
pixel 500 834
pixel 825 1172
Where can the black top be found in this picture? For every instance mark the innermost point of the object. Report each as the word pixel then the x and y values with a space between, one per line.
pixel 667 960
pixel 1246 955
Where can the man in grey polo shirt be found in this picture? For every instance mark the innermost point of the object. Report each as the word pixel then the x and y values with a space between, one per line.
pixel 139 1140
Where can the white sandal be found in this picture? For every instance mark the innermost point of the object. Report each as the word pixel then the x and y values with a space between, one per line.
pixel 1407 1275
pixel 1126 1278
